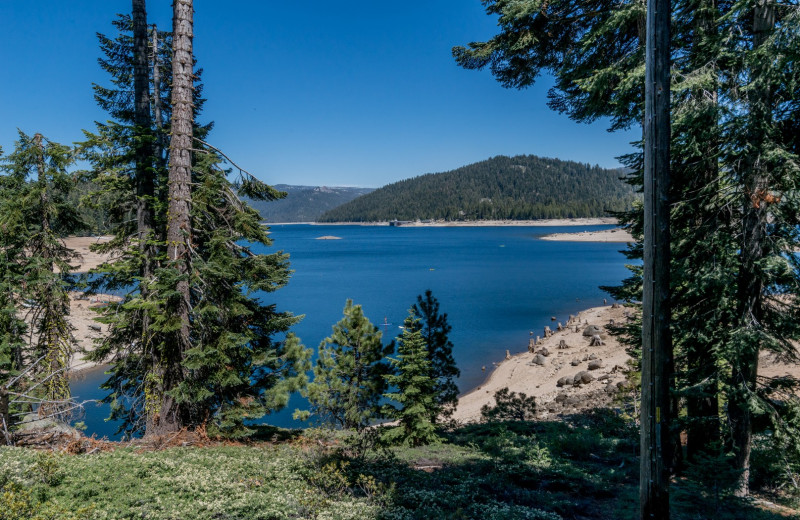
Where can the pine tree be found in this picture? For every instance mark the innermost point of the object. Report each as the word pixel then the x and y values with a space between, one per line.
pixel 734 170
pixel 349 375
pixel 34 215
pixel 230 369
pixel 435 330
pixel 234 369
pixel 413 388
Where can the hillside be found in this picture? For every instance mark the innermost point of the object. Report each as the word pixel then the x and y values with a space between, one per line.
pixel 517 188
pixel 305 203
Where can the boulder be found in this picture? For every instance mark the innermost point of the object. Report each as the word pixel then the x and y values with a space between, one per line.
pixel 544 352
pixel 539 359
pixel 596 364
pixel 591 330
pixel 575 362
pixel 582 377
pixel 564 381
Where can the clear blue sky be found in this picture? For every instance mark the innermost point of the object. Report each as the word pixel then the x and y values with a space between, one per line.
pixel 354 92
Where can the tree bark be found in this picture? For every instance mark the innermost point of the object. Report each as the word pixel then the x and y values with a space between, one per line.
pixel 750 285
pixel 145 185
pixel 655 445
pixel 169 371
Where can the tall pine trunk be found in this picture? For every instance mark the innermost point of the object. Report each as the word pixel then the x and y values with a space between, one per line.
pixel 145 174
pixel 168 368
pixel 145 185
pixel 750 286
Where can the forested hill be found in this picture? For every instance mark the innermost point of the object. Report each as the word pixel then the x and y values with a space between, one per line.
pixel 518 188
pixel 305 203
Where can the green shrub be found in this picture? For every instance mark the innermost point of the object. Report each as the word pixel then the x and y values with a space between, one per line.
pixel 510 406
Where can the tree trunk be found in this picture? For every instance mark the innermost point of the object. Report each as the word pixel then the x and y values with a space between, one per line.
pixel 750 285
pixel 145 179
pixel 145 185
pixel 656 452
pixel 169 371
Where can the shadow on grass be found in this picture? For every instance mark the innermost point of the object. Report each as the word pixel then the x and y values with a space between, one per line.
pixel 583 467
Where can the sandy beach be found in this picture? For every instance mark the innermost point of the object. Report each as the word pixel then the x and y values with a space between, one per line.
pixel 521 374
pixel 88 259
pixel 608 235
pixel 83 310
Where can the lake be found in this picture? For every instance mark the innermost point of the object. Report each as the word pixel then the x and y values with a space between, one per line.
pixel 495 283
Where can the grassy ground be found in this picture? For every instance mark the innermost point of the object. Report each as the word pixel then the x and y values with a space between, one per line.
pixel 582 468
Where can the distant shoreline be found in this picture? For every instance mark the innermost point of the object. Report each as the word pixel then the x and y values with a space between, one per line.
pixel 618 235
pixel 471 223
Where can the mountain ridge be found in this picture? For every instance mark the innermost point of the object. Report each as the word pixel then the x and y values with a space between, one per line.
pixel 522 187
pixel 305 203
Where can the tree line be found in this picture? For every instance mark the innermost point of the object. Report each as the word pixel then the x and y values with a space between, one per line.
pixel 734 209
pixel 516 188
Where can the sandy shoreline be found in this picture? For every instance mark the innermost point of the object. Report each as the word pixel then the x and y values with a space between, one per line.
pixel 472 223
pixel 88 259
pixel 520 373
pixel 83 309
pixel 608 235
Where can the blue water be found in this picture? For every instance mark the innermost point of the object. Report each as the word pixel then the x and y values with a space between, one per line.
pixel 495 283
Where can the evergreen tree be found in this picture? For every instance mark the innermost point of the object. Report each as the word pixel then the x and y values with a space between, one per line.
pixel 234 369
pixel 131 177
pixel 34 215
pixel 413 388
pixel 435 330
pixel 350 373
pixel 764 167
pixel 12 326
pixel 229 368
pixel 733 175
